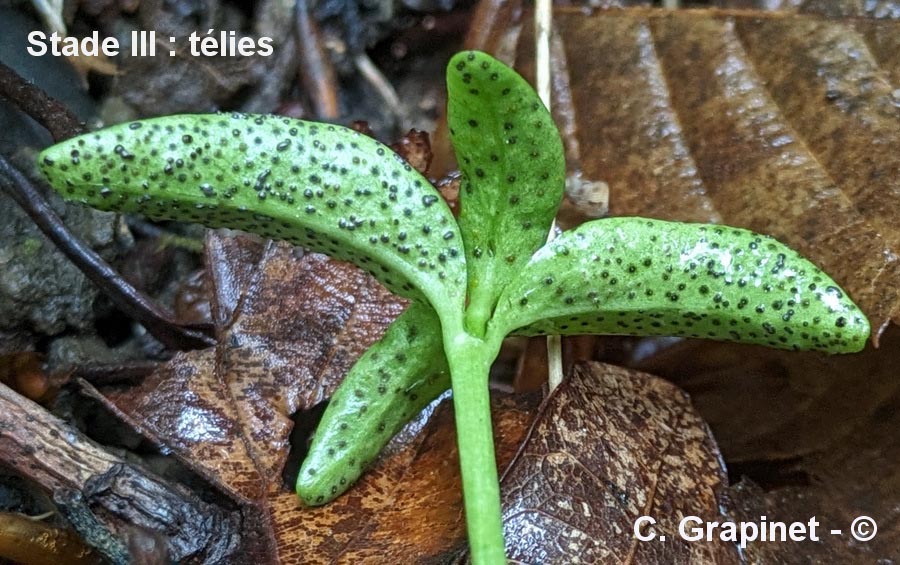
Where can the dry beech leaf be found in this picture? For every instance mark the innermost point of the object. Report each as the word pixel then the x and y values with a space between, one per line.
pixel 785 124
pixel 766 405
pixel 829 8
pixel 289 326
pixel 608 446
pixel 818 432
pixel 415 148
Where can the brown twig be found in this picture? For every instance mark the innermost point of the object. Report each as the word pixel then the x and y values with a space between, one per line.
pixel 131 301
pixel 127 373
pixel 380 83
pixel 47 111
pixel 118 496
pixel 487 17
pixel 316 73
pixel 72 505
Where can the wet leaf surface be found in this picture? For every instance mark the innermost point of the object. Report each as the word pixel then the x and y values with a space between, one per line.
pixel 608 446
pixel 289 327
pixel 786 125
pixel 816 435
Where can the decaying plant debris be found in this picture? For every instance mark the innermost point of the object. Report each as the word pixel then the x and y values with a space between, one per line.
pixel 786 123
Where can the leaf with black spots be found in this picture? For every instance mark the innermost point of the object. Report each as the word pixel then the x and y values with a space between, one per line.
pixel 290 326
pixel 390 384
pixel 784 124
pixel 511 158
pixel 324 187
pixel 634 276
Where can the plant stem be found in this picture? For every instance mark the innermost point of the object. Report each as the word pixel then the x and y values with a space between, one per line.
pixel 479 312
pixel 470 362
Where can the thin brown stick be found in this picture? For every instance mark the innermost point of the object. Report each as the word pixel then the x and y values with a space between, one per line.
pixel 316 73
pixel 486 19
pixel 47 111
pixel 131 301
pixel 380 83
pixel 127 373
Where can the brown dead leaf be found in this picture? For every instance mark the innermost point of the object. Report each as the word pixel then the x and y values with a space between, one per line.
pixel 785 124
pixel 408 509
pixel 289 327
pixel 818 432
pixel 448 186
pixel 834 506
pixel 608 446
pixel 830 8
pixel 766 405
pixel 415 148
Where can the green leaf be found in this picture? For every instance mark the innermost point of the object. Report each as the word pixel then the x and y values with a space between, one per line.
pixel 324 187
pixel 513 168
pixel 634 276
pixel 389 385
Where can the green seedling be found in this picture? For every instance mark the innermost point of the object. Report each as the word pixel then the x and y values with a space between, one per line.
pixel 471 284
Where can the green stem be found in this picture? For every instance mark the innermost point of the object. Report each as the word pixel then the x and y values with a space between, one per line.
pixel 470 361
pixel 481 304
pixel 478 313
